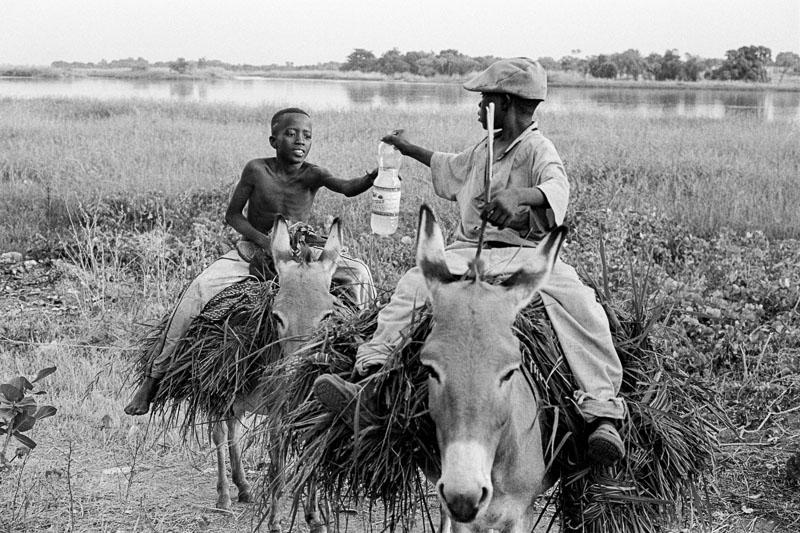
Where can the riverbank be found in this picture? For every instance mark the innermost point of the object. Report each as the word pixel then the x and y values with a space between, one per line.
pixel 556 78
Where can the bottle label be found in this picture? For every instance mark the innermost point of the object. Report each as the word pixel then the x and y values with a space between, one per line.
pixel 385 201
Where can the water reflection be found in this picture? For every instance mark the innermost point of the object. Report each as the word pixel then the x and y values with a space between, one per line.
pixel 407 95
pixel 182 90
pixel 341 95
pixel 763 105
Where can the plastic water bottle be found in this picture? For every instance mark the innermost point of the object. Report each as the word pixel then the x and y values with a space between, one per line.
pixel 386 191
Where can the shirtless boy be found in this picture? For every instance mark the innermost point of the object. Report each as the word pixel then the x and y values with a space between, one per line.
pixel 285 184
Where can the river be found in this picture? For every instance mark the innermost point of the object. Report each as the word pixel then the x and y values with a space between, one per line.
pixel 334 94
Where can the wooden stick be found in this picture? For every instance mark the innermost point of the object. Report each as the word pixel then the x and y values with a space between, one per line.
pixel 487 179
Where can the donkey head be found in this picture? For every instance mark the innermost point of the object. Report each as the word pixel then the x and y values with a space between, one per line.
pixel 304 299
pixel 473 360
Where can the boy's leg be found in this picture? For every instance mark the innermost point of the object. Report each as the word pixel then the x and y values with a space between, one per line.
pixel 584 334
pixel 338 395
pixel 357 278
pixel 222 273
pixel 411 293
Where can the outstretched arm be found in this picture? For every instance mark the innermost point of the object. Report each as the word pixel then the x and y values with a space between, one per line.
pixel 398 140
pixel 235 213
pixel 351 187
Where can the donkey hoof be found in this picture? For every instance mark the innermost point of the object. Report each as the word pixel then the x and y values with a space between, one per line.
pixel 317 528
pixel 224 502
pixel 245 497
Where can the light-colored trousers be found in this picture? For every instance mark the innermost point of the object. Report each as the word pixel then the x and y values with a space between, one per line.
pixel 579 321
pixel 230 269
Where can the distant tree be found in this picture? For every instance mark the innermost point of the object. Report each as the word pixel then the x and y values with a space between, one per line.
pixel 652 65
pixel 629 63
pixel 548 63
pixel 574 63
pixel 202 63
pixel 601 67
pixel 788 62
pixel 671 66
pixel 392 62
pixel 415 61
pixel 361 59
pixel 140 64
pixel 747 63
pixel 483 62
pixel 426 66
pixel 691 68
pixel 180 65
pixel 446 61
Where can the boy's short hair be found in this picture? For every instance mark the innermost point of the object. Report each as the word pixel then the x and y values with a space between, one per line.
pixel 276 118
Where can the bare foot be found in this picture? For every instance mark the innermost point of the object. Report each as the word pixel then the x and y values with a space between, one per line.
pixel 140 403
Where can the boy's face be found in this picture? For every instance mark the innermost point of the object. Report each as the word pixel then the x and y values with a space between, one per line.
pixel 291 138
pixel 500 105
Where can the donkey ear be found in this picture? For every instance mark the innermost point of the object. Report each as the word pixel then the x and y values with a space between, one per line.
pixel 281 246
pixel 430 248
pixel 333 247
pixel 524 283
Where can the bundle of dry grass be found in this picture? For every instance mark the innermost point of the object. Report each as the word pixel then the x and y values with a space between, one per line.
pixel 224 353
pixel 670 447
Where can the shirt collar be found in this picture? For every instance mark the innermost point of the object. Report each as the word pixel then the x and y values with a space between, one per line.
pixel 530 129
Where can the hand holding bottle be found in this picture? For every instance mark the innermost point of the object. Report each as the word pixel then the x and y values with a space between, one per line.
pixel 398 140
pixel 386 190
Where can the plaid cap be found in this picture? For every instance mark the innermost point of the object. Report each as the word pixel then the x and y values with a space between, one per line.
pixel 519 76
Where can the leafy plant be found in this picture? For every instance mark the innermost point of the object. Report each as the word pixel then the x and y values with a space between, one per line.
pixel 19 412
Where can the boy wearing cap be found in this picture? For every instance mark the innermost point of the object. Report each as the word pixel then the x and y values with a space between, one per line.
pixel 529 195
pixel 285 184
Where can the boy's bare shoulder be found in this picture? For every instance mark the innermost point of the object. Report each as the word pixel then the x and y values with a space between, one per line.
pixel 258 165
pixel 256 169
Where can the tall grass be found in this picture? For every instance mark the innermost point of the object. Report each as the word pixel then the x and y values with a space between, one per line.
pixel 705 173
pixel 136 190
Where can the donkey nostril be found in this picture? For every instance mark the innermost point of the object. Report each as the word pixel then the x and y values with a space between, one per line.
pixel 441 491
pixel 484 495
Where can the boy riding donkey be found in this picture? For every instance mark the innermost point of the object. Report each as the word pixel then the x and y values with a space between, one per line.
pixel 285 184
pixel 529 195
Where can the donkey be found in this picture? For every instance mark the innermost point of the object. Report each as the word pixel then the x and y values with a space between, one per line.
pixel 485 411
pixel 303 301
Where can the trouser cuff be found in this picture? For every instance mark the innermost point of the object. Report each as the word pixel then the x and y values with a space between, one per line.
pixel 593 408
pixel 369 359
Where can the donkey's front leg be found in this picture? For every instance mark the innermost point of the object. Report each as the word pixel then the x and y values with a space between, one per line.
pixel 277 481
pixel 235 433
pixel 314 518
pixel 220 437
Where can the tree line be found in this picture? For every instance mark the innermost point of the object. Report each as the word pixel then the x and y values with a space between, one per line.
pixel 745 63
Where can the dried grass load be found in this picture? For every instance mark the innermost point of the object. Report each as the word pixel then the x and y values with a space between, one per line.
pixel 670 446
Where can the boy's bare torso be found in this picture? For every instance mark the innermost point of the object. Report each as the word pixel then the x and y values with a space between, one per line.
pixel 275 192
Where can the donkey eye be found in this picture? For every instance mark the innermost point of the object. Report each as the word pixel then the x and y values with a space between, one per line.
pixel 508 375
pixel 431 372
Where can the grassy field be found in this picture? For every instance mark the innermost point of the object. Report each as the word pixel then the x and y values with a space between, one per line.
pixel 116 204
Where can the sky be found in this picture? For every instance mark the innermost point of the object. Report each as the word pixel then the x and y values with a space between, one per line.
pixel 37 32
